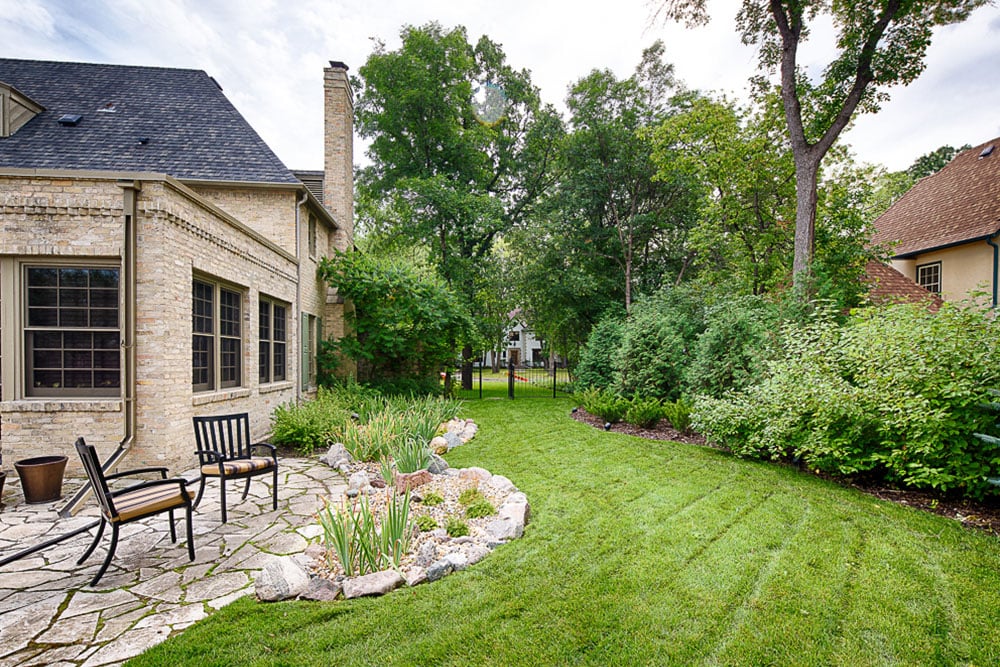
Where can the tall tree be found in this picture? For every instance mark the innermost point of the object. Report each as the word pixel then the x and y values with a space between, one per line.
pixel 741 159
pixel 461 145
pixel 607 194
pixel 880 44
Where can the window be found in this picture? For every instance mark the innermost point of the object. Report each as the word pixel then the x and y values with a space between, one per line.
pixel 217 338
pixel 272 360
pixel 929 277
pixel 72 331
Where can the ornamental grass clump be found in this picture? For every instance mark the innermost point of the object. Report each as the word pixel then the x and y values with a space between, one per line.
pixel 359 542
pixel 412 455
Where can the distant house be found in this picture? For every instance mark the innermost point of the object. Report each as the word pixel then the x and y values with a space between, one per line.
pixel 522 348
pixel 157 259
pixel 945 231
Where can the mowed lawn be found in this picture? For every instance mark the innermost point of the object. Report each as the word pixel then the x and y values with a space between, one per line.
pixel 651 553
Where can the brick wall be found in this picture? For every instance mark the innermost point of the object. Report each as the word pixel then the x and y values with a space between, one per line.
pixel 178 237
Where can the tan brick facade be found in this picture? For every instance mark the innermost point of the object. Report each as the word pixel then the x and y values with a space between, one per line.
pixel 180 236
pixel 254 240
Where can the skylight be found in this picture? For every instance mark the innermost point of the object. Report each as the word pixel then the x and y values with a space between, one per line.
pixel 986 151
pixel 70 119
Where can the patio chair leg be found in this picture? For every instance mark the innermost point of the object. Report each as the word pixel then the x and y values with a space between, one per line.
pixel 111 553
pixel 274 489
pixel 93 545
pixel 222 483
pixel 201 490
pixel 246 489
pixel 173 532
pixel 190 535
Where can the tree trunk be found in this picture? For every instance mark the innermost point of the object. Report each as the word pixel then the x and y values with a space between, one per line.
pixel 467 367
pixel 806 172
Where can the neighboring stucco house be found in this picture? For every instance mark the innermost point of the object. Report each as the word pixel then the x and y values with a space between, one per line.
pixel 946 229
pixel 157 259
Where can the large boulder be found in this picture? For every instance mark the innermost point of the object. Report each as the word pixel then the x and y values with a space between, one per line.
pixel 281 579
pixel 336 455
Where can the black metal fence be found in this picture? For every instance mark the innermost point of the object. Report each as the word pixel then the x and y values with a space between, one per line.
pixel 511 382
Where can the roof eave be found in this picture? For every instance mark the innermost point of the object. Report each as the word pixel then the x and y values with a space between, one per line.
pixel 921 251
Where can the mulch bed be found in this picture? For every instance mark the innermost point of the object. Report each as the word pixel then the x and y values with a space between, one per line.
pixel 984 515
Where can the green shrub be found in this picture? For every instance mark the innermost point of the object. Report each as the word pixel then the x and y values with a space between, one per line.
pixel 600 357
pixel 456 527
pixel 433 498
pixel 469 496
pixel 678 413
pixel 896 392
pixel 733 350
pixel 426 523
pixel 604 404
pixel 656 346
pixel 643 412
pixel 311 425
pixel 480 508
pixel 406 322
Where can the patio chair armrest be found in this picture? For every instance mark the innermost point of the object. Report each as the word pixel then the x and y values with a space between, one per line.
pixel 265 445
pixel 153 482
pixel 211 453
pixel 138 471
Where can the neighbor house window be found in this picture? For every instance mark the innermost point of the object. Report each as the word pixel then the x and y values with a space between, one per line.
pixel 72 331
pixel 929 277
pixel 217 337
pixel 272 359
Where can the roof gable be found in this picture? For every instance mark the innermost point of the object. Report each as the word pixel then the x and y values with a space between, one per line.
pixel 958 204
pixel 887 285
pixel 154 119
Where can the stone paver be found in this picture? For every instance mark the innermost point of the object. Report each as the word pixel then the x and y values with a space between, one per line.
pixel 49 615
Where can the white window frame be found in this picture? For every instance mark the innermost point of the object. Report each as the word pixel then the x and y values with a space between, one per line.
pixel 927 284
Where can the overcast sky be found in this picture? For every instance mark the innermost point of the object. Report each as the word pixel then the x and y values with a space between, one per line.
pixel 268 56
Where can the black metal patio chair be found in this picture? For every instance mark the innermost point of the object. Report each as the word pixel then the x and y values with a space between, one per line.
pixel 225 452
pixel 132 503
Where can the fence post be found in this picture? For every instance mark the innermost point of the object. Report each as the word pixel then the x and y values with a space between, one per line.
pixel 481 378
pixel 555 366
pixel 510 378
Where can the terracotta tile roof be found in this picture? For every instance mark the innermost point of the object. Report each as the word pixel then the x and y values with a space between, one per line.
pixel 172 121
pixel 960 203
pixel 890 286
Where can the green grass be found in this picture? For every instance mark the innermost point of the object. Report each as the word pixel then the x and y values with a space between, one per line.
pixel 641 552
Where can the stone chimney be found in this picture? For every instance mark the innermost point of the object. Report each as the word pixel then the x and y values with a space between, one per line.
pixel 338 151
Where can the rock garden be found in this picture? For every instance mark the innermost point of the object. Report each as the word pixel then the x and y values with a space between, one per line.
pixel 406 518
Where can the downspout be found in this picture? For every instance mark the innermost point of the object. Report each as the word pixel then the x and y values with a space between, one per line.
pixel 298 289
pixel 130 190
pixel 996 263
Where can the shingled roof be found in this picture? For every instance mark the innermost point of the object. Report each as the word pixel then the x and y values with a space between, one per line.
pixel 154 119
pixel 958 204
pixel 887 285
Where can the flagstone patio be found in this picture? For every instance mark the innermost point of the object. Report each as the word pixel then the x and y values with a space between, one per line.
pixel 49 615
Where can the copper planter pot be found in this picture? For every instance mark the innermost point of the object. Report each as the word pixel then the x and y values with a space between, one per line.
pixel 41 478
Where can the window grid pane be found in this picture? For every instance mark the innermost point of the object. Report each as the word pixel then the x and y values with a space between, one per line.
pixel 929 277
pixel 72 336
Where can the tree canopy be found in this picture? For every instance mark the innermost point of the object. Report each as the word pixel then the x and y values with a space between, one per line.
pixel 880 44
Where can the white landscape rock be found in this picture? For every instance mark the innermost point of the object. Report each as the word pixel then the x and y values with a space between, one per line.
pixel 480 474
pixel 376 583
pixel 281 579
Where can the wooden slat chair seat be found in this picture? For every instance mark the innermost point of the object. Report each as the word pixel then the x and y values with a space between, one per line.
pixel 225 452
pixel 135 502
